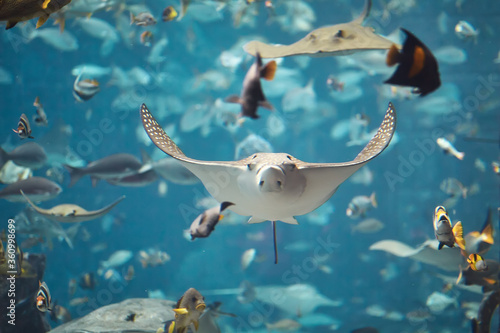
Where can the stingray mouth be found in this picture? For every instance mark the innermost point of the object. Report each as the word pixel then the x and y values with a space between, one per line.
pixel 271 178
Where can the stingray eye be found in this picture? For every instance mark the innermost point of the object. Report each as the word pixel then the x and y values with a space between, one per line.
pixel 278 182
pixel 250 166
pixel 312 37
pixel 261 183
pixel 339 34
pixel 289 157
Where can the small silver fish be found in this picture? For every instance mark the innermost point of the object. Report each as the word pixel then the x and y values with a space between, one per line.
pixel 453 187
pixel 360 204
pixel 83 90
pixel 465 30
pixel 43 299
pixel 41 118
pixel 143 19
pixel 448 147
pixel 23 128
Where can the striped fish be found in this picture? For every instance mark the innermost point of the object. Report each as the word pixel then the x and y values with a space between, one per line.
pixel 23 128
pixel 43 299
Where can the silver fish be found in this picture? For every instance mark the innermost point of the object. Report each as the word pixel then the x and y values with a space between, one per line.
pixel 30 155
pixel 35 188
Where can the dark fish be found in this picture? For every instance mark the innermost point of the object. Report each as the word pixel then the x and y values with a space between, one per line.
pixel 23 128
pixel 87 281
pixel 205 223
pixel 365 330
pixel 60 314
pixel 188 310
pixel 14 11
pixel 138 179
pixel 41 118
pixel 35 188
pixel 83 90
pixel 30 155
pixel 143 19
pixel 113 166
pixel 43 299
pixel 252 95
pixel 417 66
pixel 169 14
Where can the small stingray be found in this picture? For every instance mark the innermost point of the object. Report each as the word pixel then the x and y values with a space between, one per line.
pixel 449 259
pixel 69 213
pixel 338 39
pixel 272 186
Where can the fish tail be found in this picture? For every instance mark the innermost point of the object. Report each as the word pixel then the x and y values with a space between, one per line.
pixel 132 18
pixel 458 232
pixel 393 56
pixel 74 173
pixel 373 199
pixel 268 71
pixel 460 155
pixel 487 234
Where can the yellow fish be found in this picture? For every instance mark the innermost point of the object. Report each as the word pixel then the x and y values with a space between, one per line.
pixel 477 263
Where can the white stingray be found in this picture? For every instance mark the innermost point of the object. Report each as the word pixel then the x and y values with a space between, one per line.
pixel 272 186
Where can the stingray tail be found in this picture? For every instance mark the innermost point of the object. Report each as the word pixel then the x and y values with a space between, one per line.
pixel 275 244
pixel 74 173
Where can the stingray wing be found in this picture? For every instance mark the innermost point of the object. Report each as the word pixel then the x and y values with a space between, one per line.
pixel 92 215
pixel 46 212
pixel 323 179
pixel 219 178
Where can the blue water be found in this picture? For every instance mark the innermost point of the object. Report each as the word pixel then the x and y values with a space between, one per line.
pixel 148 220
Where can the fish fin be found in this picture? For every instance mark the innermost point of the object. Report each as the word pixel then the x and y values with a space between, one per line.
pixel 94 180
pixel 45 4
pixel 233 99
pixel 290 220
pixel 460 155
pixel 41 20
pixel 487 234
pixel 171 327
pixel 196 325
pixel 223 205
pixel 220 217
pixel 373 199
pixel 275 243
pixel 266 105
pixel 146 159
pixel 182 330
pixel 31 137
pixel 458 232
pixel 62 23
pixel 254 219
pixel 474 234
pixel 132 18
pixel 10 24
pixel 440 246
pixel 393 56
pixel 366 11
pixel 74 173
pixel 181 311
pixel 490 281
pixel 268 71
pixel 459 275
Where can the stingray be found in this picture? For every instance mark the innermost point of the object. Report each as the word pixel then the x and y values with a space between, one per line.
pixel 70 213
pixel 449 259
pixel 272 186
pixel 338 39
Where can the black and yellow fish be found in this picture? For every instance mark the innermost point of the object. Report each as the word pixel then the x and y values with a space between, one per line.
pixel 14 11
pixel 169 14
pixel 87 281
pixel 445 234
pixel 417 66
pixel 43 299
pixel 23 128
pixel 187 311
pixel 477 263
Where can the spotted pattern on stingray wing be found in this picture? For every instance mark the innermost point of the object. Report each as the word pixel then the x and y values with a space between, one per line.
pixel 157 134
pixel 382 138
